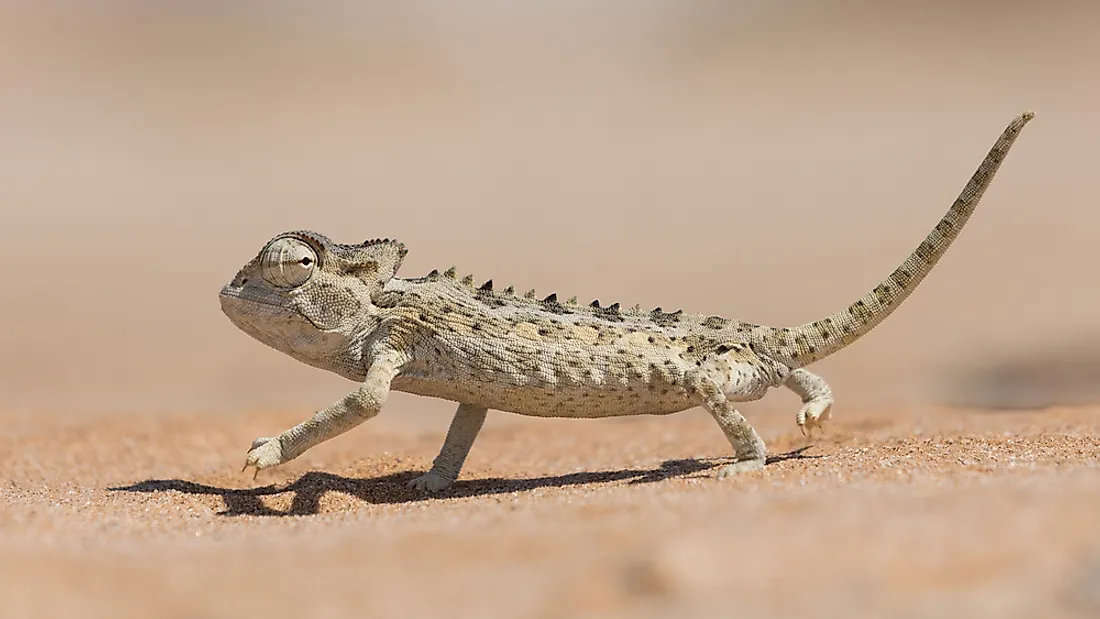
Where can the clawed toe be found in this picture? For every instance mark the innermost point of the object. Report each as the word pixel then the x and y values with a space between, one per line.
pixel 813 415
pixel 265 453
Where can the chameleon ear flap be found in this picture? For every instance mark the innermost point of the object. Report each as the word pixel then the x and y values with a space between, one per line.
pixel 375 262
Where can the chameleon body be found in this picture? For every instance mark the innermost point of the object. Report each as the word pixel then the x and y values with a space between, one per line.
pixel 342 308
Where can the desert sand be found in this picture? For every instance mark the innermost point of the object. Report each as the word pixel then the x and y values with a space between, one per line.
pixel 769 161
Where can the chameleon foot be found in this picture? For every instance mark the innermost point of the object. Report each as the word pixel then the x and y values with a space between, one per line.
pixel 430 482
pixel 814 414
pixel 265 453
pixel 738 468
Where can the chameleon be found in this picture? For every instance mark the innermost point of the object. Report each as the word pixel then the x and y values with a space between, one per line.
pixel 342 308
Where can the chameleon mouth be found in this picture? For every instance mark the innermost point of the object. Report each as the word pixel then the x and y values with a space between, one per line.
pixel 246 305
pixel 260 315
pixel 238 301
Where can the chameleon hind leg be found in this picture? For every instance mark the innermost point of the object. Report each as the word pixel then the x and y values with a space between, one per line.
pixel 817 399
pixel 748 448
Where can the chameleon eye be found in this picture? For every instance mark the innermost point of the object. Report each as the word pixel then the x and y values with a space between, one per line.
pixel 287 263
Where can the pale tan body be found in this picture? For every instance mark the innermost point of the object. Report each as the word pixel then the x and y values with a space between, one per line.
pixel 341 308
pixel 533 362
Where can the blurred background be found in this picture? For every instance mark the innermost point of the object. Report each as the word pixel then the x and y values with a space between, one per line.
pixel 764 160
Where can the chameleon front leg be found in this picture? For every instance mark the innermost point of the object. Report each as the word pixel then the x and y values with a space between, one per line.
pixel 358 406
pixel 817 399
pixel 464 428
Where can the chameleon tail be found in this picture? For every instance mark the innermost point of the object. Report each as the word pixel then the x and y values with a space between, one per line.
pixel 800 346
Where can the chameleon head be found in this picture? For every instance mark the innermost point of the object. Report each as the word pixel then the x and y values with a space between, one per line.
pixel 308 297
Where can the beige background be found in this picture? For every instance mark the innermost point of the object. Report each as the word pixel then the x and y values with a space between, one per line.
pixel 765 160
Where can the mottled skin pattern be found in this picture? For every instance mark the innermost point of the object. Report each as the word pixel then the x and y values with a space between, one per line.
pixel 343 309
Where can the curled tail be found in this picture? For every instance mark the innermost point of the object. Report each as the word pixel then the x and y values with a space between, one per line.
pixel 800 346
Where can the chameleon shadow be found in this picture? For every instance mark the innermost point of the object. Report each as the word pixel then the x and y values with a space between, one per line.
pixel 310 488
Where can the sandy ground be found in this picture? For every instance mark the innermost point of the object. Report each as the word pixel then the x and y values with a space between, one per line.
pixel 943 514
pixel 764 160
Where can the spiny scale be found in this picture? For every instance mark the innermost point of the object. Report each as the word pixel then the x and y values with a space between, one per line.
pixel 552 299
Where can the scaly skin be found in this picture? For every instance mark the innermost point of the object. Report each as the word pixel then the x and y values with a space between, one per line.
pixel 342 308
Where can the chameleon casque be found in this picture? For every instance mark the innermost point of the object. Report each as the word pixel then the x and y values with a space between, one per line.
pixel 342 308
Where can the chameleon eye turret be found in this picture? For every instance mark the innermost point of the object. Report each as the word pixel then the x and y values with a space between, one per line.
pixel 287 262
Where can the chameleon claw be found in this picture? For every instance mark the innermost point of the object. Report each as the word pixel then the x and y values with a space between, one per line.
pixel 255 473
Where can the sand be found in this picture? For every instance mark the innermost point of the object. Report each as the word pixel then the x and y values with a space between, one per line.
pixel 944 514
pixel 769 161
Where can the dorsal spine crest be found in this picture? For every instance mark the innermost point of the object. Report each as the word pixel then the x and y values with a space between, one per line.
pixel 613 312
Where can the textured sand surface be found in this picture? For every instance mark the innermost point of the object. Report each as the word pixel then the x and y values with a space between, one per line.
pixel 941 514
pixel 765 160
